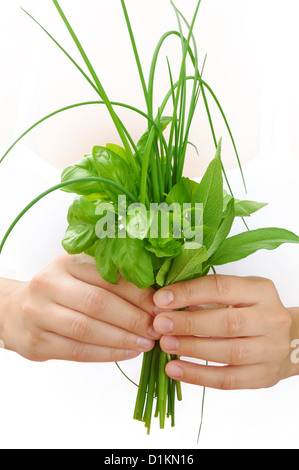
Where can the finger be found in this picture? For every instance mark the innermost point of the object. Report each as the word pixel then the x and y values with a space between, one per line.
pixel 243 351
pixel 83 268
pixel 220 289
pixel 103 305
pixel 222 323
pixel 56 347
pixel 222 377
pixel 77 326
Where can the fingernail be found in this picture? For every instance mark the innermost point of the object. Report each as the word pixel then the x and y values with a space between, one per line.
pixel 170 343
pixel 163 325
pixel 153 334
pixel 175 371
pixel 145 344
pixel 163 297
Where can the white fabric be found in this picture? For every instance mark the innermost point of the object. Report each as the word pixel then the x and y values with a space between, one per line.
pixel 68 405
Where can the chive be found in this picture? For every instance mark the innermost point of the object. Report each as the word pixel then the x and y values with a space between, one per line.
pixel 55 188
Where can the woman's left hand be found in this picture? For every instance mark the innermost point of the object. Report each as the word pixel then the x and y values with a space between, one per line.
pixel 238 323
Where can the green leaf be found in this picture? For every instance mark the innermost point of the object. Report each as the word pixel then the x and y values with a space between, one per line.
pixel 210 194
pixel 163 271
pixel 141 144
pixel 120 151
pixel 111 166
pixel 164 248
pixel 104 262
pixel 184 192
pixel 224 228
pixel 244 244
pixel 187 265
pixel 83 210
pixel 242 208
pixel 133 261
pixel 85 168
pixel 246 208
pixel 79 237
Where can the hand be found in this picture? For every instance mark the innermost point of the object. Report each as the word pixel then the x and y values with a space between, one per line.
pixel 249 331
pixel 69 312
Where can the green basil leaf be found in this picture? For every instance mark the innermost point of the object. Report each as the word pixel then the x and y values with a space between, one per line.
pixel 83 210
pixel 183 192
pixel 85 168
pixel 111 166
pixel 187 265
pixel 104 262
pixel 133 261
pixel 244 244
pixel 120 151
pixel 141 144
pixel 78 237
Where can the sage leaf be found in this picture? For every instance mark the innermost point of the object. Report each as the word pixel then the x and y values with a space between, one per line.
pixel 244 244
pixel 187 265
pixel 225 227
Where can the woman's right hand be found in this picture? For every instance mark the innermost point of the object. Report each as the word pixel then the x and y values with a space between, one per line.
pixel 69 312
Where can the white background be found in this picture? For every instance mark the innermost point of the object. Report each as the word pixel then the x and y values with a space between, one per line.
pixel 253 66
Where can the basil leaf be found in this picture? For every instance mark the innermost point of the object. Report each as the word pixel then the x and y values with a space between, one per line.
pixel 85 168
pixel 183 192
pixel 83 210
pixel 187 265
pixel 141 144
pixel 133 261
pixel 104 262
pixel 78 237
pixel 120 151
pixel 244 244
pixel 111 166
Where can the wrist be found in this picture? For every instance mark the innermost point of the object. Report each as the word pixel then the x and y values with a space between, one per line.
pixel 294 343
pixel 8 299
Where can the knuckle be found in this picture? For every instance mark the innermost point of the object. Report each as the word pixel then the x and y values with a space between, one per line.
pixel 271 377
pixel 38 282
pixel 219 286
pixel 32 342
pixel 228 381
pixel 95 300
pixel 62 260
pixel 136 324
pixel 189 326
pixel 285 320
pixel 185 291
pixel 234 322
pixel 238 354
pixel 79 352
pixel 79 328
